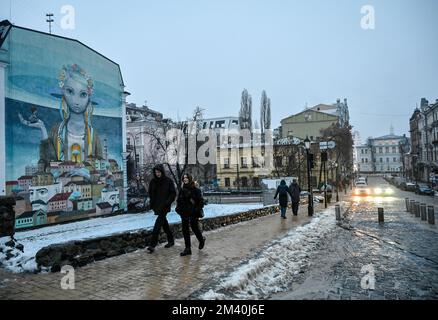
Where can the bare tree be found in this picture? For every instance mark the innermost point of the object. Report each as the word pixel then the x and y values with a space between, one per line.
pixel 245 113
pixel 263 110
pixel 174 154
pixel 268 116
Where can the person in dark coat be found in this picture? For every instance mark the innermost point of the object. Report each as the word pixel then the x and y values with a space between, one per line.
pixel 162 194
pixel 282 192
pixel 189 206
pixel 295 192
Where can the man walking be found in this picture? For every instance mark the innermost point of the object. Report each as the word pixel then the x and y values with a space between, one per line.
pixel 162 194
pixel 295 192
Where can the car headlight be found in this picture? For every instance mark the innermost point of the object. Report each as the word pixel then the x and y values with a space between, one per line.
pixel 356 192
pixel 378 191
pixel 368 191
pixel 389 191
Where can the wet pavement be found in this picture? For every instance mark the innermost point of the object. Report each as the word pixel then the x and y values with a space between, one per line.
pixel 163 275
pixel 358 259
pixel 367 260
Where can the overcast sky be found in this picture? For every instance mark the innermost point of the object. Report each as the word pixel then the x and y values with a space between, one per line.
pixel 181 54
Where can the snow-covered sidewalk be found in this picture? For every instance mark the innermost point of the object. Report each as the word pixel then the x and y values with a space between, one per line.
pixel 273 269
pixel 34 240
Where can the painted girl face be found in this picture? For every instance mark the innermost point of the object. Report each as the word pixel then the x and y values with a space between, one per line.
pixel 186 180
pixel 76 95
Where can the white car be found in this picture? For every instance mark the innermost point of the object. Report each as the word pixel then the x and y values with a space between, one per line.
pixel 362 190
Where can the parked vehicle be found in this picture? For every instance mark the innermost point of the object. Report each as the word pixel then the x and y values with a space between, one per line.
pixel 424 189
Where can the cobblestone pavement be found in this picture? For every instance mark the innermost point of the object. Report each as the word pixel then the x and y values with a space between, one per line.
pixel 402 253
pixel 163 275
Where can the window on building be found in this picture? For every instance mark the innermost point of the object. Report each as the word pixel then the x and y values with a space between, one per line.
pixel 244 162
pixel 387 149
pixel 363 160
pixel 387 160
pixel 395 159
pixel 366 160
pixel 361 151
pixel 226 163
pixel 394 149
pixel 227 182
pixel 244 182
pixel 380 150
pixel 381 160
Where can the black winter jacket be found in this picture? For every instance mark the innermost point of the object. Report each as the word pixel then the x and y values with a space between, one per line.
pixel 162 193
pixel 190 202
pixel 283 191
pixel 295 192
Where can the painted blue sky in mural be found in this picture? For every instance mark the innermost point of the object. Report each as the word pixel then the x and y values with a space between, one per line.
pixel 24 142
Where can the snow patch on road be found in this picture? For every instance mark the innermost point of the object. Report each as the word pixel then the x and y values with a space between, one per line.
pixel 35 240
pixel 274 268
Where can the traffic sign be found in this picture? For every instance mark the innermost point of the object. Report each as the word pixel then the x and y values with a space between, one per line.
pixel 324 145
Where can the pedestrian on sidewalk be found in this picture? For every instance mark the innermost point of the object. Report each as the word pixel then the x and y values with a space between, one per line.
pixel 162 194
pixel 282 192
pixel 295 192
pixel 189 206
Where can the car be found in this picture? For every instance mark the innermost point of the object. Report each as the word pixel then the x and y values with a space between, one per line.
pixel 362 190
pixel 383 191
pixel 361 184
pixel 424 189
pixel 409 186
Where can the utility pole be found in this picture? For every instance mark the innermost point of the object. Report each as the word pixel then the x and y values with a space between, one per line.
pixel 50 20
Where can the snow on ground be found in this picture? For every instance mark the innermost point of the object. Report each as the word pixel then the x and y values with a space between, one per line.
pixel 273 269
pixel 34 240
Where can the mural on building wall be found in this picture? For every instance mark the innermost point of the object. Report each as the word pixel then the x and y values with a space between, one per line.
pixel 74 167
pixel 63 128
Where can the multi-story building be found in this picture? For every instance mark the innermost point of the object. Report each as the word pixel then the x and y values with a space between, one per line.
pixel 311 121
pixel 60 202
pixel 243 165
pixel 25 182
pixel 424 131
pixel 143 125
pixel 383 154
pixel 81 188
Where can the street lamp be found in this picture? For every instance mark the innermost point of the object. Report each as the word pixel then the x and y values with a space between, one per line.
pixel 307 144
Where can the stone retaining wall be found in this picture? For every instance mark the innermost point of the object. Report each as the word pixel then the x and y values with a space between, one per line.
pixel 81 253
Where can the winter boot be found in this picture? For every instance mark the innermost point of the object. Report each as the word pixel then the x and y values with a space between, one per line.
pixel 170 244
pixel 186 252
pixel 151 249
pixel 202 243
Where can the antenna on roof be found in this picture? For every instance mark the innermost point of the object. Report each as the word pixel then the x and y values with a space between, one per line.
pixel 50 20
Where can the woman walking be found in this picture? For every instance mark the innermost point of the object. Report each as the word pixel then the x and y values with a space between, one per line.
pixel 283 191
pixel 189 207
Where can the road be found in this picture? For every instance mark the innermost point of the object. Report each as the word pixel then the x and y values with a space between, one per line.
pixel 400 256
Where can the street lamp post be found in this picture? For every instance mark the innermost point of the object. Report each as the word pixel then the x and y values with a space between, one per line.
pixel 337 182
pixel 307 144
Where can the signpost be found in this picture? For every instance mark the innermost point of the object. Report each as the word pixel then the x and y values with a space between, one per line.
pixel 324 145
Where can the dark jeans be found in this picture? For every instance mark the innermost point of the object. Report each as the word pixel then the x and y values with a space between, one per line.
pixel 193 223
pixel 161 222
pixel 295 208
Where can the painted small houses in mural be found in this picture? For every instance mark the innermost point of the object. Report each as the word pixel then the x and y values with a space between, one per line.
pixel 60 104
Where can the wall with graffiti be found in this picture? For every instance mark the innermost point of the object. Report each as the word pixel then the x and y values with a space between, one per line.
pixel 63 110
